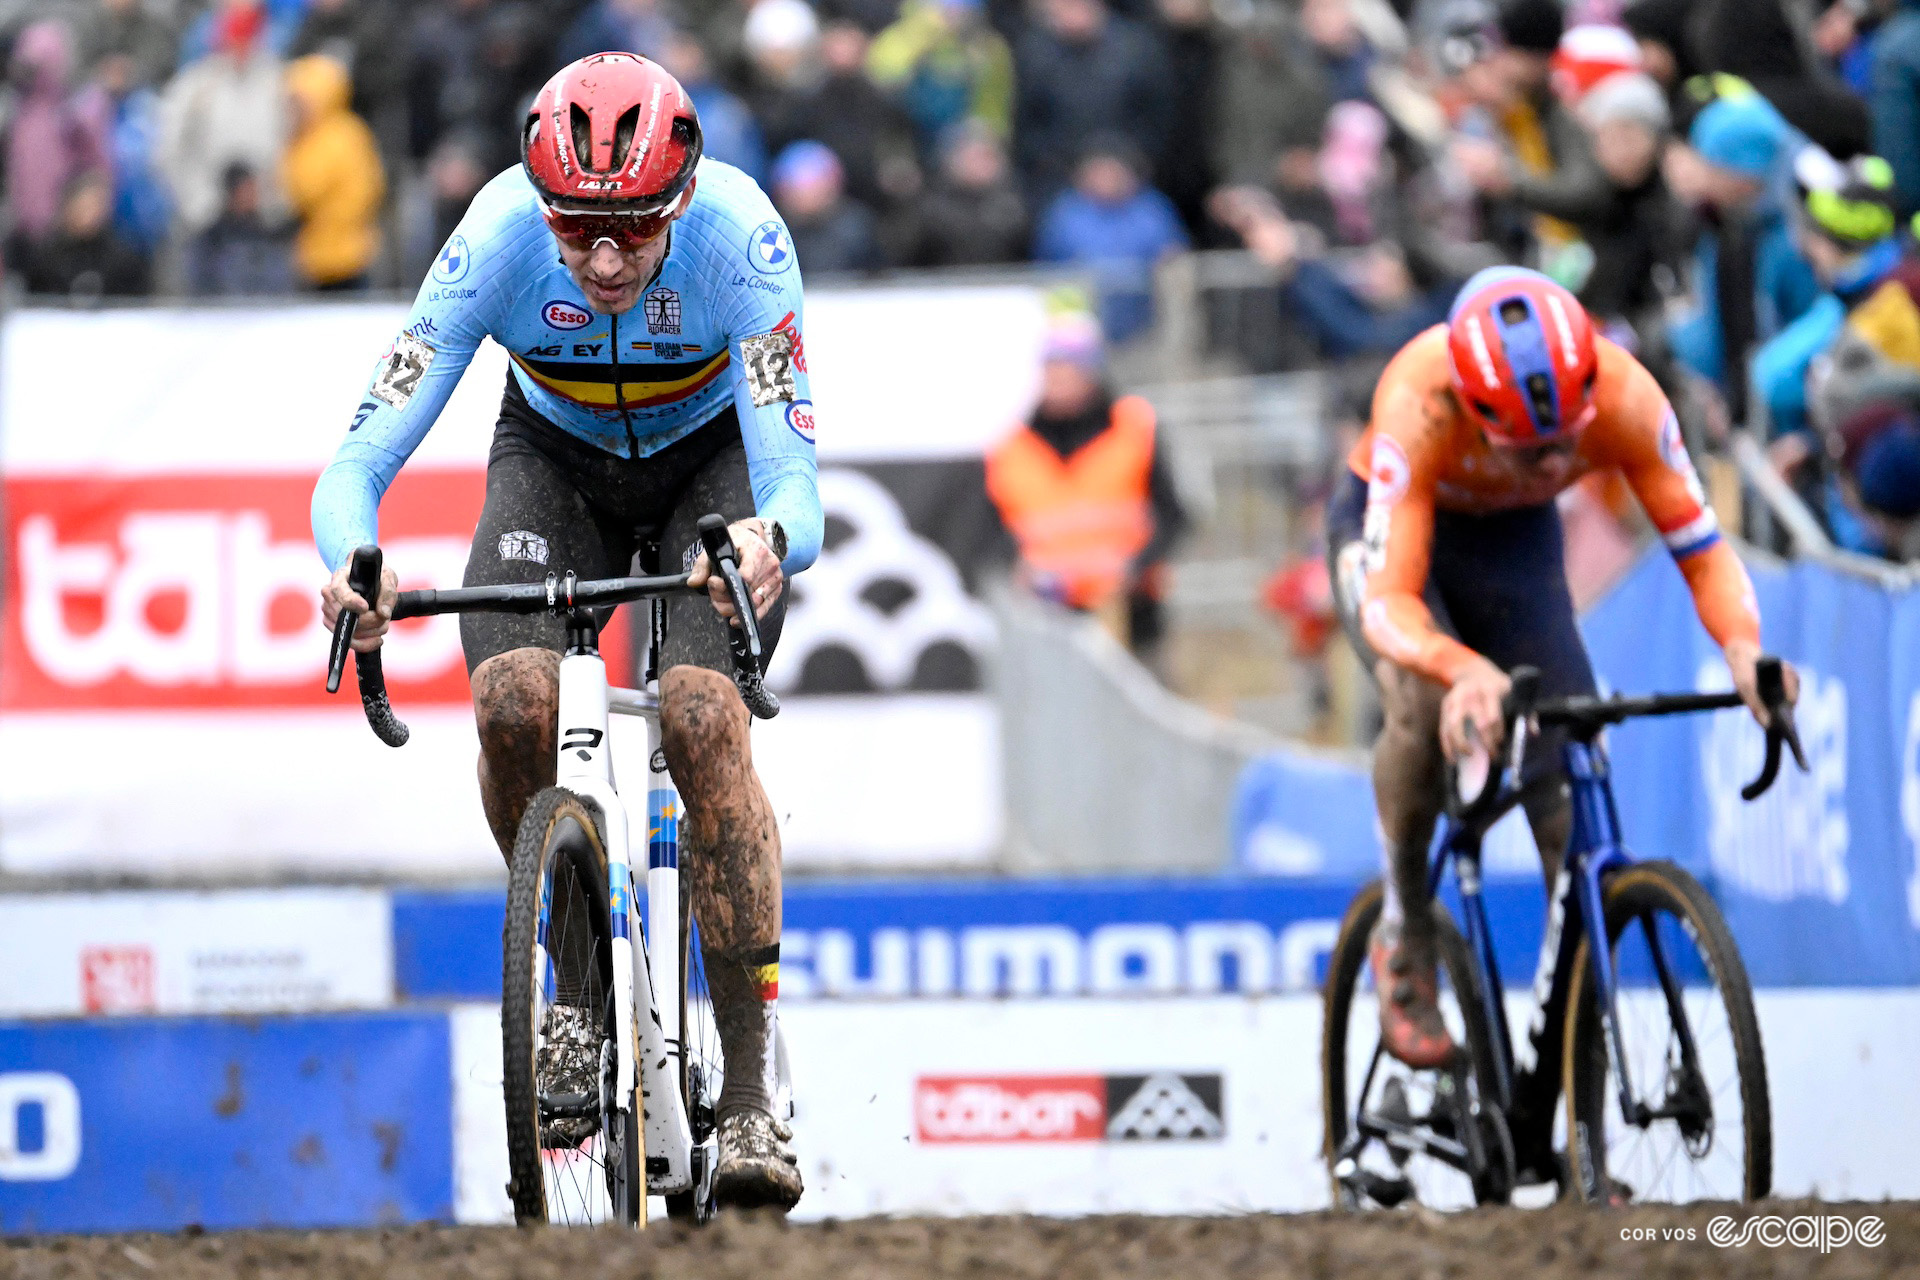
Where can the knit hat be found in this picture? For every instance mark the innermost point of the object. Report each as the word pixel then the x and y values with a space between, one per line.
pixel 779 26
pixel 1590 53
pixel 1072 332
pixel 1626 95
pixel 805 163
pixel 1739 129
pixel 1851 204
pixel 1532 25
pixel 1888 471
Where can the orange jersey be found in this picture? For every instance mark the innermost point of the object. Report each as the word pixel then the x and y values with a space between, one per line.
pixel 1423 453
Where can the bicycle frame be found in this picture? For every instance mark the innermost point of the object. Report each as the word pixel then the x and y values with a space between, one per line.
pixel 1527 1082
pixel 640 974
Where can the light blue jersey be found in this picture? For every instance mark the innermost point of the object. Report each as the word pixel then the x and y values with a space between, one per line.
pixel 720 324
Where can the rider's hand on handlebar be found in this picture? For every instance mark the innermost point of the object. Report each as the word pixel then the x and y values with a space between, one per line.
pixel 337 595
pixel 1743 656
pixel 759 568
pixel 1470 713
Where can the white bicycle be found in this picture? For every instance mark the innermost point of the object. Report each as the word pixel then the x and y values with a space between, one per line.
pixel 610 1089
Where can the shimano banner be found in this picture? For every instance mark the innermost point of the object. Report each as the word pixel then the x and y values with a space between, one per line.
pixel 1818 877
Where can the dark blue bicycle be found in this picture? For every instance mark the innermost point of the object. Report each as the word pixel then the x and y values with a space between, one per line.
pixel 1651 1040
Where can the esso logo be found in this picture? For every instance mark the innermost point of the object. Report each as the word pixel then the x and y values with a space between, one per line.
pixel 800 419
pixel 565 315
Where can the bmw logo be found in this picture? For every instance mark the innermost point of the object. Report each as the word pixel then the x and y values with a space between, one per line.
pixel 770 248
pixel 453 263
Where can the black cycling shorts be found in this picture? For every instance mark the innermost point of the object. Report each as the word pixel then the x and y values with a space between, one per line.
pixel 556 503
pixel 1497 583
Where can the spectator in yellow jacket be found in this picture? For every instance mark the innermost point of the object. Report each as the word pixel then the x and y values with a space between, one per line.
pixel 332 176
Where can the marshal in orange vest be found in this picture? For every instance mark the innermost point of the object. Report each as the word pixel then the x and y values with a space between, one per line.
pixel 1080 520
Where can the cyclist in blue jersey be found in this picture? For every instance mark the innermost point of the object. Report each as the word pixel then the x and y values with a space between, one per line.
pixel 650 305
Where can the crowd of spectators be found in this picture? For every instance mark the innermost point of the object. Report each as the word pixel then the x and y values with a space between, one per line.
pixel 1372 153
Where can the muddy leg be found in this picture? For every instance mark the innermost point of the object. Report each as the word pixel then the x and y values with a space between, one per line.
pixel 516 702
pixel 732 860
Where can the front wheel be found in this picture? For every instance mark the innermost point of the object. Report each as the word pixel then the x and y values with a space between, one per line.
pixel 702 1071
pixel 1359 1081
pixel 573 1146
pixel 1698 1124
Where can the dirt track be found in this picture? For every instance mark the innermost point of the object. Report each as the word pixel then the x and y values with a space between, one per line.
pixel 1504 1245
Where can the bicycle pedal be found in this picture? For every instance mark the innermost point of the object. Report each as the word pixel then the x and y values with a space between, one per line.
pixel 1387 1192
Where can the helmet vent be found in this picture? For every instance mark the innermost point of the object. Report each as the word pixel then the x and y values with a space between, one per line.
pixel 1513 311
pixel 623 132
pixel 1540 396
pixel 582 130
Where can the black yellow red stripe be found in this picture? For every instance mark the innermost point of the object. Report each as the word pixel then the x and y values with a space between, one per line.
pixel 594 384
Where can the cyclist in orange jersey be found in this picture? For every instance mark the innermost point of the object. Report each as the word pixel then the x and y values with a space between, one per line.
pixel 1447 562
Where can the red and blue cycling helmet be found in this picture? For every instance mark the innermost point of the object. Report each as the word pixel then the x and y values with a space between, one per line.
pixel 1523 359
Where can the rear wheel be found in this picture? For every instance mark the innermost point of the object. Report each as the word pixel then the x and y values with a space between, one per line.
pixel 1702 1126
pixel 573 1147
pixel 1375 1172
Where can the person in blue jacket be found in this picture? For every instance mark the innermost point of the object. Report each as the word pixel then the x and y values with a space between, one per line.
pixel 1894 103
pixel 1749 279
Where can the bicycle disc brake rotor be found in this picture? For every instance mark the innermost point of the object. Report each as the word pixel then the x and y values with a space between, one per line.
pixel 567 1071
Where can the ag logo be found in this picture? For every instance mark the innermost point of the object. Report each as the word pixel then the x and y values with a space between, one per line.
pixel 452 265
pixel 770 249
pixel 565 315
pixel 800 419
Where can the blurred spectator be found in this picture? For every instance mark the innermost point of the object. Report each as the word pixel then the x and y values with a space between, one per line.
pixel 1111 221
pixel 945 64
pixel 362 36
pixel 1541 159
pixel 1341 48
pixel 1748 280
pixel 1083 73
pixel 831 232
pixel 1635 233
pixel 1185 169
pixel 842 108
pixel 1589 54
pixel 1755 40
pixel 333 178
pixel 1372 307
pixel 1273 97
pixel 240 255
pixel 130 29
pixel 630 26
pixel 1085 489
pixel 228 108
pixel 781 41
pixel 728 130
pixel 473 65
pixel 142 207
pixel 1843 35
pixel 1666 51
pixel 279 19
pixel 1896 100
pixel 83 257
pixel 433 208
pixel 54 134
pixel 1845 228
pixel 1879 465
pixel 972 214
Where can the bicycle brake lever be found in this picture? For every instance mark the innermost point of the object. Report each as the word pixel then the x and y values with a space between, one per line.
pixel 1770 677
pixel 363 575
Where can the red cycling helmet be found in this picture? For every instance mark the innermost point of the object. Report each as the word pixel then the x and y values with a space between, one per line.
pixel 610 146
pixel 1523 358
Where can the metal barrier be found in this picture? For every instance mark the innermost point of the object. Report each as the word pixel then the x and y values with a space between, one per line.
pixel 1105 770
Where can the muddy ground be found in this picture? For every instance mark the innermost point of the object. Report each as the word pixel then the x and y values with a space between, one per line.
pixel 1419 1245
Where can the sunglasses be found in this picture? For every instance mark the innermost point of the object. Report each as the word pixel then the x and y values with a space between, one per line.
pixel 625 230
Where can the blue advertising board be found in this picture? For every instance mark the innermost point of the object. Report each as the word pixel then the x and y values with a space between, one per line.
pixel 996 938
pixel 134 1124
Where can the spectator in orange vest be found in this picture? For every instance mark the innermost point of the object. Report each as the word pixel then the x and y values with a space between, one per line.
pixel 1085 490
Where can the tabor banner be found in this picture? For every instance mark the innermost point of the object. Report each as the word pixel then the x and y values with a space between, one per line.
pixel 161 658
